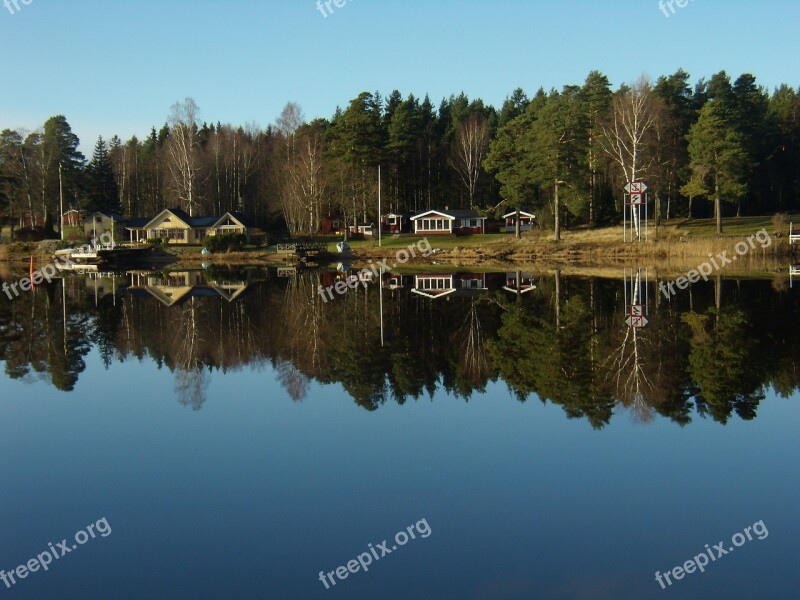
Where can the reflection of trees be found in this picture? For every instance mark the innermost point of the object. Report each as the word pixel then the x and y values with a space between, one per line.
pixel 562 343
pixel 626 363
pixel 470 339
pixel 190 378
pixel 38 344
pixel 628 372
pixel 722 362
pixel 545 348
pixel 191 385
pixel 303 318
pixel 293 381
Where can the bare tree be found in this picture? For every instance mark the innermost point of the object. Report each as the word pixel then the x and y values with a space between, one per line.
pixel 308 179
pixel 182 152
pixel 295 215
pixel 624 139
pixel 472 143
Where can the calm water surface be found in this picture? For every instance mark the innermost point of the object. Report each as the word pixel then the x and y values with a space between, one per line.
pixel 240 435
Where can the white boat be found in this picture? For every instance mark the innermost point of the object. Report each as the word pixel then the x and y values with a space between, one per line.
pixel 78 255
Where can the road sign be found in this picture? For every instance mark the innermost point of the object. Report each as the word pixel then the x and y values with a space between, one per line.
pixel 637 199
pixel 637 322
pixel 636 187
pixel 637 310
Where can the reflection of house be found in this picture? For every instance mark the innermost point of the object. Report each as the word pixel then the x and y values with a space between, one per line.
pixel 434 285
pixel 97 224
pixel 394 281
pixel 178 227
pixel 227 290
pixel 459 222
pixel 172 288
pixel 526 221
pixel 519 283
pixel 395 223
pixel 437 285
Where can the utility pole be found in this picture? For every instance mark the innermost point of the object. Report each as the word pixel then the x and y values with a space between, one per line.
pixel 61 202
pixel 380 224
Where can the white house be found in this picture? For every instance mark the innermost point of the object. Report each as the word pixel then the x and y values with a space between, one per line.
pixel 526 221
pixel 446 221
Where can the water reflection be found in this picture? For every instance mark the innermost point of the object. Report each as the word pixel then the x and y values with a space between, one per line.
pixel 591 345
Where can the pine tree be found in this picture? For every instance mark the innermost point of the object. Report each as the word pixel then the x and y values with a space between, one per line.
pixel 718 159
pixel 101 187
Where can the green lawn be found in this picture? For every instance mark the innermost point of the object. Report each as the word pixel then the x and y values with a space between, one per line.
pixel 732 226
pixel 444 242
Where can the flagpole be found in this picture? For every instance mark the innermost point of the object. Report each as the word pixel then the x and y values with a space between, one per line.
pixel 61 202
pixel 380 224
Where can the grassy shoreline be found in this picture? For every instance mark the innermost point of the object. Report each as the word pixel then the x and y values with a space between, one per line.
pixel 679 246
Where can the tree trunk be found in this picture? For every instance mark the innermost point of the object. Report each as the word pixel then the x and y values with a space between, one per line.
pixel 517 233
pixel 718 209
pixel 557 211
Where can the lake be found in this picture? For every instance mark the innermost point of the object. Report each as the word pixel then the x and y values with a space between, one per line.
pixel 235 433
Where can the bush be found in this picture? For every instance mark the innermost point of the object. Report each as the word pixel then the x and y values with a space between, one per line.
pixel 779 222
pixel 227 242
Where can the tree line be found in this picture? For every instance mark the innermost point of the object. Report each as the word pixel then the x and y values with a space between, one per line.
pixel 720 146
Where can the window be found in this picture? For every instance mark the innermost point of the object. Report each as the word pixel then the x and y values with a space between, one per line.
pixel 434 283
pixel 433 225
pixel 391 220
pixel 170 234
pixel 335 224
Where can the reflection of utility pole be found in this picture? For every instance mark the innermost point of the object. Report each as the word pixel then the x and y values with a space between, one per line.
pixel 64 307
pixel 558 298
pixel 380 285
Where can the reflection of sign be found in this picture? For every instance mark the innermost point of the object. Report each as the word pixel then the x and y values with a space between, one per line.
pixel 637 310
pixel 636 187
pixel 637 322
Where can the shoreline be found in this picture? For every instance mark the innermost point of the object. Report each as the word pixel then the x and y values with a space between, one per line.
pixel 570 259
pixel 677 250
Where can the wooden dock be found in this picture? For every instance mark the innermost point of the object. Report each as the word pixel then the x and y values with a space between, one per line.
pixel 302 252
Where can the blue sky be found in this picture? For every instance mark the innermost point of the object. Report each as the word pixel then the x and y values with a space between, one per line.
pixel 116 66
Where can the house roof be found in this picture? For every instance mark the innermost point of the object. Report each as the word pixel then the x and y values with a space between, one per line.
pixel 177 212
pixel 522 213
pixel 236 216
pixel 187 220
pixel 138 223
pixel 453 214
pixel 202 221
pixel 242 218
pixel 107 214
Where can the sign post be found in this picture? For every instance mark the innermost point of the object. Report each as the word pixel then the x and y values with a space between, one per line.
pixel 636 197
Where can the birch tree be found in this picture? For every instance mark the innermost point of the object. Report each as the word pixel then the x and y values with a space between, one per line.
pixel 472 144
pixel 625 136
pixel 182 146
